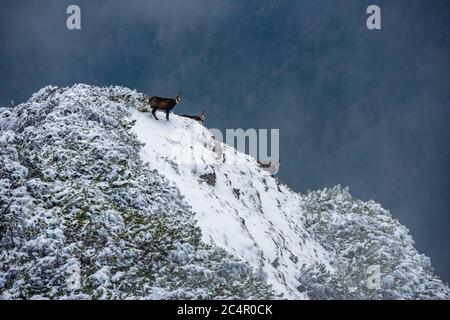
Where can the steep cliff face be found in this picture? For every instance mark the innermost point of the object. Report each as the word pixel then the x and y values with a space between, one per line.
pixel 99 200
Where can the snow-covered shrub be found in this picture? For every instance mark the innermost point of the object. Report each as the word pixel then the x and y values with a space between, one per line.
pixel 82 217
pixel 358 235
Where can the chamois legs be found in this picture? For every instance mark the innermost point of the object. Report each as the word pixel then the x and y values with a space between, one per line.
pixel 154 113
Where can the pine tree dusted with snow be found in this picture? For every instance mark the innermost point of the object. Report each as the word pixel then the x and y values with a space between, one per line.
pixel 75 197
pixel 358 235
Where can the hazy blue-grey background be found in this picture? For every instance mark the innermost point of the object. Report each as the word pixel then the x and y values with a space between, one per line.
pixel 367 109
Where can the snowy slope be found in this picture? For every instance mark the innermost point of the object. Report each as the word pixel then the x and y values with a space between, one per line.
pixel 147 209
pixel 320 248
pixel 246 211
pixel 82 217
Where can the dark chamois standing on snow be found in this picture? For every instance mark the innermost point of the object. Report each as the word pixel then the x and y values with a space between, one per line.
pixel 166 104
pixel 201 117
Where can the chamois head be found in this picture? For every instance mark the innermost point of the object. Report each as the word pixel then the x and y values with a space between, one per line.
pixel 203 115
pixel 178 97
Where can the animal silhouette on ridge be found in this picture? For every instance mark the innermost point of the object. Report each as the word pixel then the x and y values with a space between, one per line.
pixel 165 104
pixel 201 117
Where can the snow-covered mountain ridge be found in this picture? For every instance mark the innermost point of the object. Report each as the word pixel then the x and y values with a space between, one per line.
pixel 156 209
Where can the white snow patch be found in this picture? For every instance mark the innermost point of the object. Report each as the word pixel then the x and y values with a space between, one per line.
pixel 246 211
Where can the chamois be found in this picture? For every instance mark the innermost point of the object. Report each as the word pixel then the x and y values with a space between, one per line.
pixel 270 166
pixel 201 117
pixel 166 104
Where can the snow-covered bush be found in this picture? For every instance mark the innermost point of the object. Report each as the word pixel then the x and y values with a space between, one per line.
pixel 82 217
pixel 358 235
